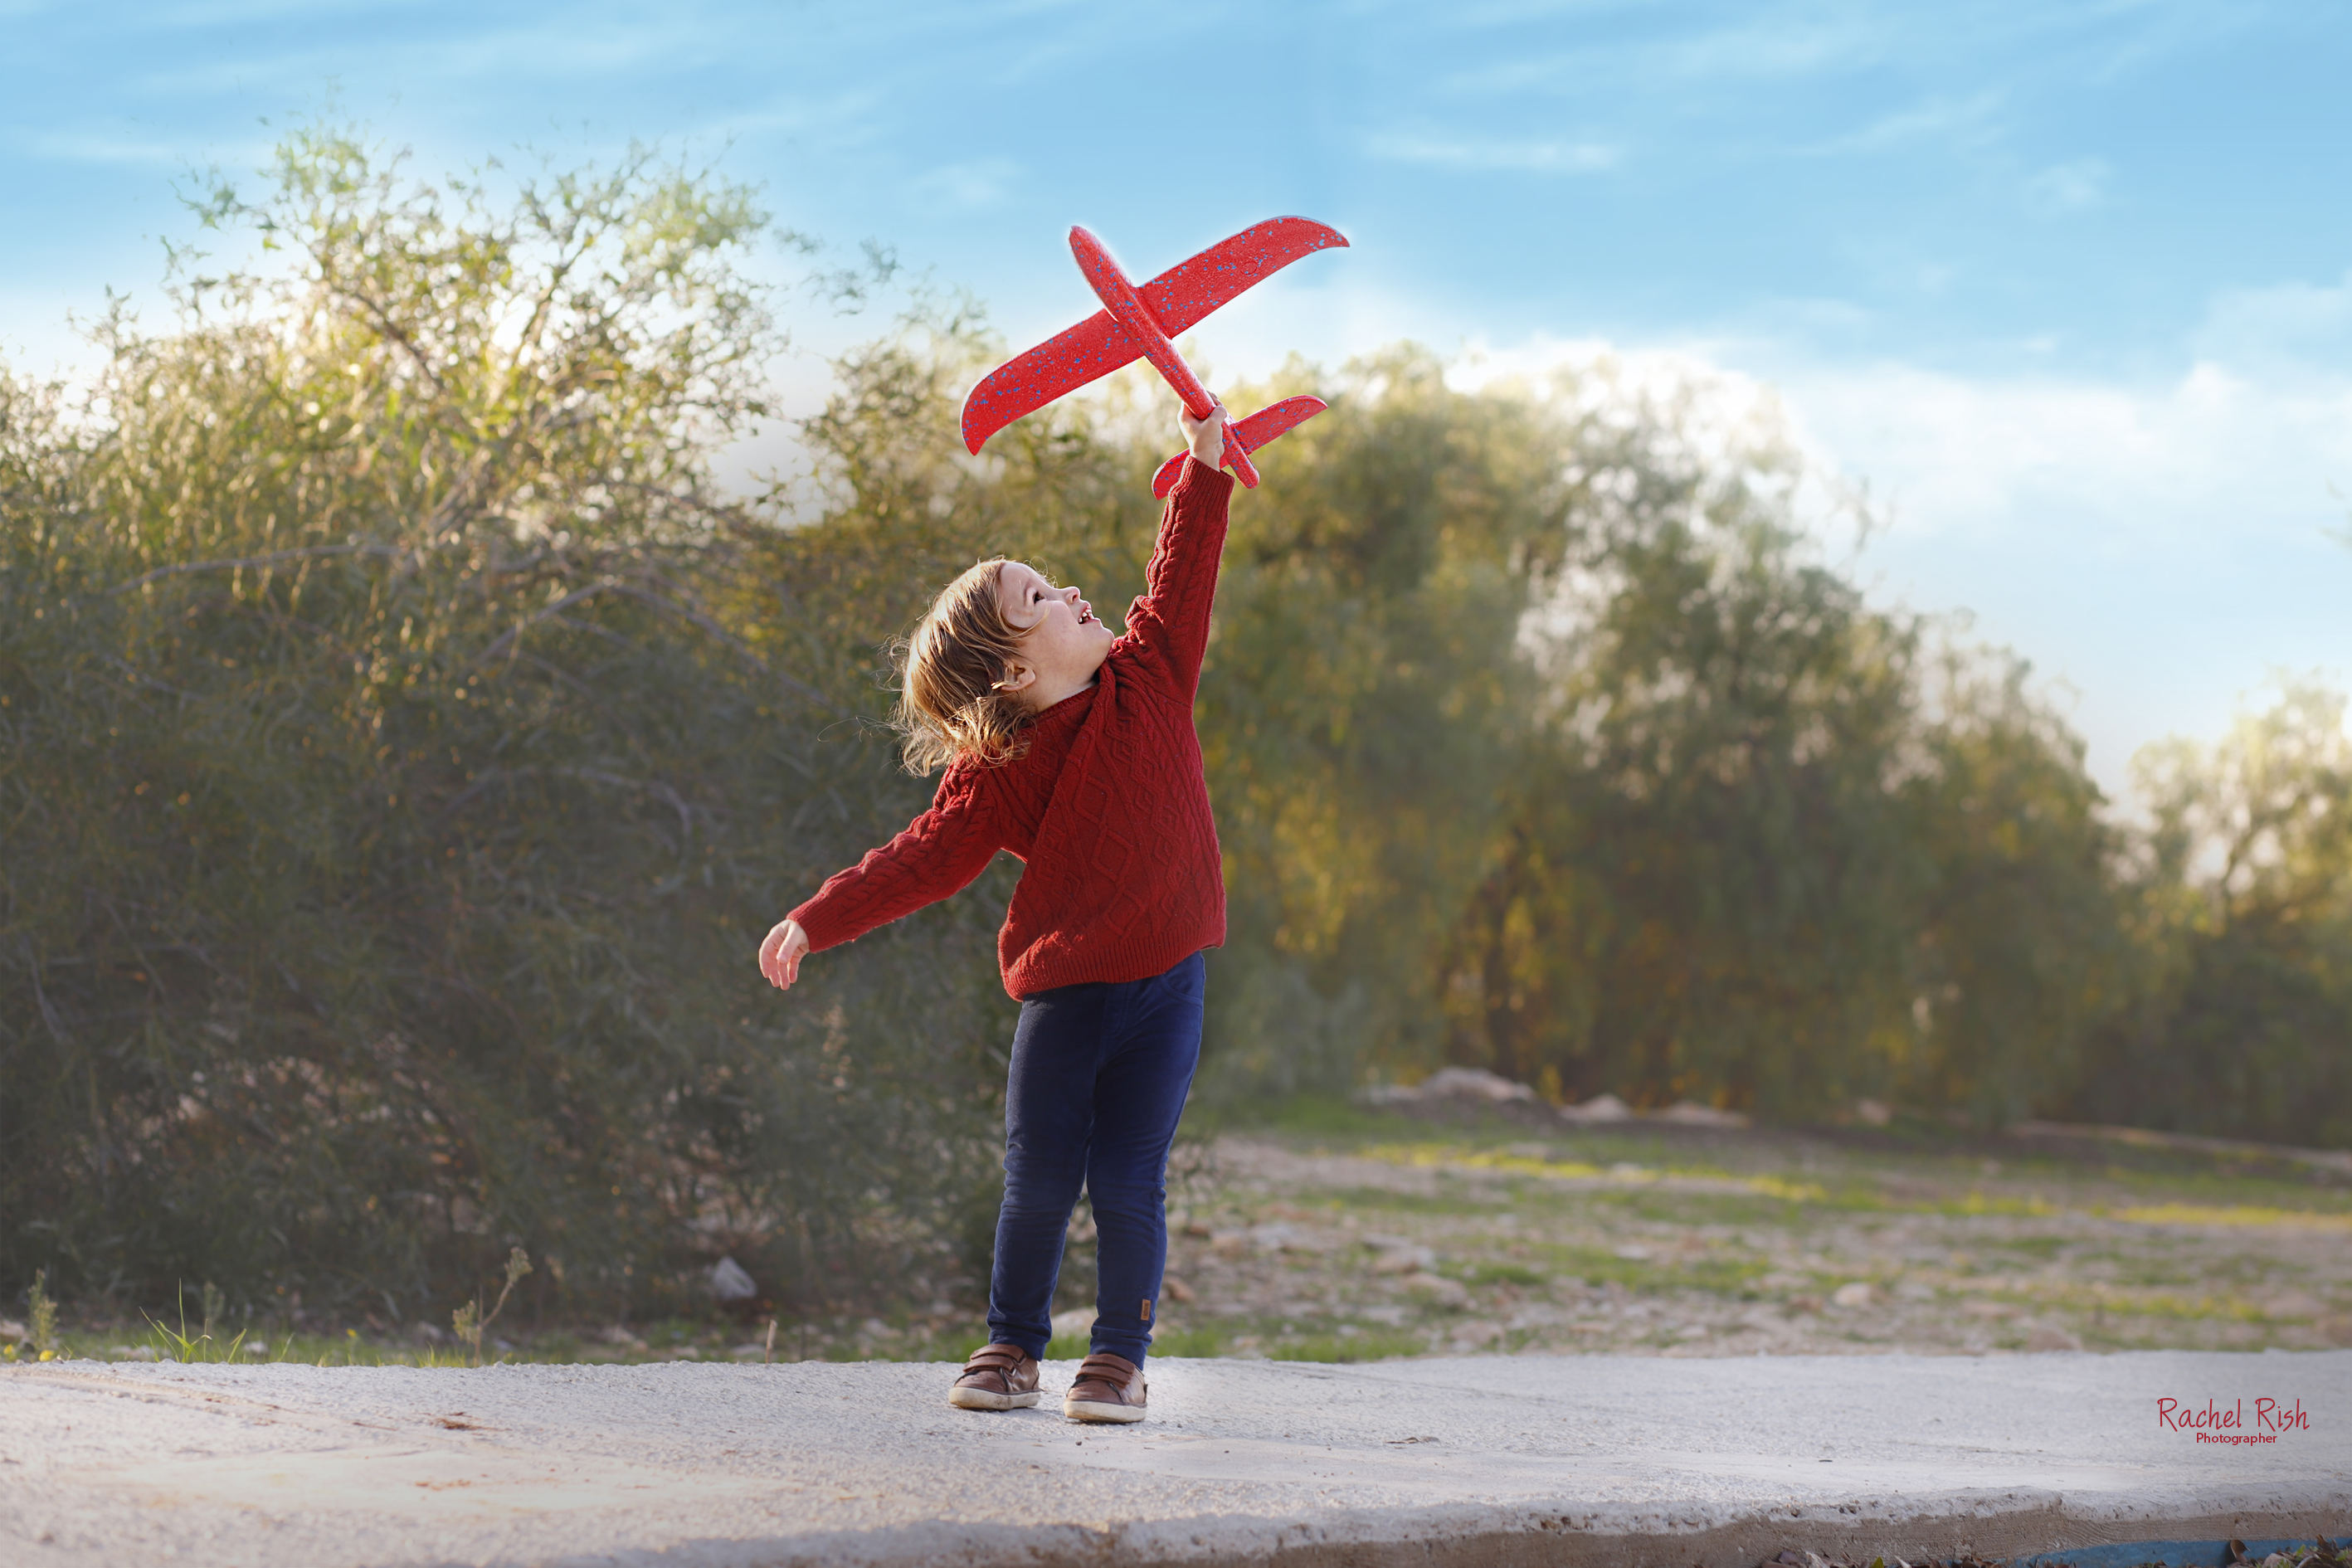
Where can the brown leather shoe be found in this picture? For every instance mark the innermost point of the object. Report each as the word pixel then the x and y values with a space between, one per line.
pixel 997 1377
pixel 1109 1388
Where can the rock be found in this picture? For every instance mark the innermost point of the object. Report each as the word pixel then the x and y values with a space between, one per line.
pixel 1858 1293
pixel 1475 1336
pixel 1397 1257
pixel 729 1282
pixel 1074 1320
pixel 1439 1292
pixel 1601 1108
pixel 1690 1113
pixel 1472 1084
pixel 1634 1254
pixel 2049 1337
pixel 1275 1238
pixel 1872 1113
pixel 1175 1290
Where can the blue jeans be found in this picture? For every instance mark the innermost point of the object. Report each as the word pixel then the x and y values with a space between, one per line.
pixel 1098 1077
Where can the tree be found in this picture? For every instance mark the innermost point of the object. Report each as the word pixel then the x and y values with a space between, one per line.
pixel 2244 907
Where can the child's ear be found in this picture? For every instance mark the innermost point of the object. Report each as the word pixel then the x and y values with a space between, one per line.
pixel 1018 678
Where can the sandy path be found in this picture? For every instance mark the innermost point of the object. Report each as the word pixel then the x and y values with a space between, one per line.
pixel 1585 1460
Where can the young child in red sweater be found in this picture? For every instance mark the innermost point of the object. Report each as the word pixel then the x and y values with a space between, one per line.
pixel 1076 751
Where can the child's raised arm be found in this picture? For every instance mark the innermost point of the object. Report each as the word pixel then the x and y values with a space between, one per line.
pixel 1179 584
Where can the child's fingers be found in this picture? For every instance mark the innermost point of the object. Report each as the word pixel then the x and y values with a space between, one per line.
pixel 1215 418
pixel 771 951
pixel 781 953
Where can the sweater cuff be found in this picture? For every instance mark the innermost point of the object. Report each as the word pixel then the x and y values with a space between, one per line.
pixel 821 932
pixel 1199 475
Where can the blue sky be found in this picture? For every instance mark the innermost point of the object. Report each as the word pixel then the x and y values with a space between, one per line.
pixel 2069 285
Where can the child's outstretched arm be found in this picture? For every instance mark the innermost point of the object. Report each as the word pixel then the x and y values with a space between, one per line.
pixel 1179 584
pixel 935 856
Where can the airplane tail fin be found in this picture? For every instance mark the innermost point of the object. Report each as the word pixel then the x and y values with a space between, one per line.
pixel 1253 432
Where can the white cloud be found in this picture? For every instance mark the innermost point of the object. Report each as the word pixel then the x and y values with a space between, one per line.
pixel 968 187
pixel 1525 157
pixel 2067 187
pixel 87 147
pixel 1969 121
pixel 2287 327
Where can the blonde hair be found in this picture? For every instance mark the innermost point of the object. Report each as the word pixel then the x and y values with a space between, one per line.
pixel 949 708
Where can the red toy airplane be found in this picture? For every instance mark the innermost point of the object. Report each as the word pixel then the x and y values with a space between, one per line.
pixel 1136 323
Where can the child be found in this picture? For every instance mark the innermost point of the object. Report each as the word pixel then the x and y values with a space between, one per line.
pixel 1076 751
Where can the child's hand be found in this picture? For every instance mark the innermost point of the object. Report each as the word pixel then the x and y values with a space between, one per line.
pixel 780 955
pixel 1205 436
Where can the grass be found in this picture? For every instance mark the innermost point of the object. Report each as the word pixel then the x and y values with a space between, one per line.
pixel 1633 1239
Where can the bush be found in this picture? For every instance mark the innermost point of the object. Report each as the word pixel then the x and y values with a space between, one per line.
pixel 405 752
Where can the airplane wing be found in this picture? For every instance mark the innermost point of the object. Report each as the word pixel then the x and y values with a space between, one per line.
pixel 1178 299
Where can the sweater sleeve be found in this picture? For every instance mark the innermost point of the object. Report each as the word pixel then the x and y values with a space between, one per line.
pixel 936 855
pixel 1172 619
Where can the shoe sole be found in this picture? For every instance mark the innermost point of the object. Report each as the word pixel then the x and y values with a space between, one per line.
pixel 980 1399
pixel 1096 1411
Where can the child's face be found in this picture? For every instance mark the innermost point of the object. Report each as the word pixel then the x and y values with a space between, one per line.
pixel 1061 640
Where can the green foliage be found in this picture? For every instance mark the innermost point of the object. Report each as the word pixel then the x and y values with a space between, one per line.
pixel 401 766
pixel 2022 949
pixel 2244 912
pixel 41 1314
pixel 470 1323
pixel 178 1344
pixel 1774 849
pixel 1713 821
pixel 1364 709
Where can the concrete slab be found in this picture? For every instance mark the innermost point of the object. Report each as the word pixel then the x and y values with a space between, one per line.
pixel 1577 1460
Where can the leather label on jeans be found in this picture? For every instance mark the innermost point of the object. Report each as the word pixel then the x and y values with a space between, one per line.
pixel 1147 1308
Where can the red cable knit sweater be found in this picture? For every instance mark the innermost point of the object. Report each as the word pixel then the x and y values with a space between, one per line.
pixel 1107 807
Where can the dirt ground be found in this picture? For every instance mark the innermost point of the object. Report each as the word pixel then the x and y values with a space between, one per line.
pixel 1383 1235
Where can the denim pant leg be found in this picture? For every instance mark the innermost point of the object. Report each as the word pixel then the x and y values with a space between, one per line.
pixel 1139 1095
pixel 1049 1094
pixel 1097 1080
